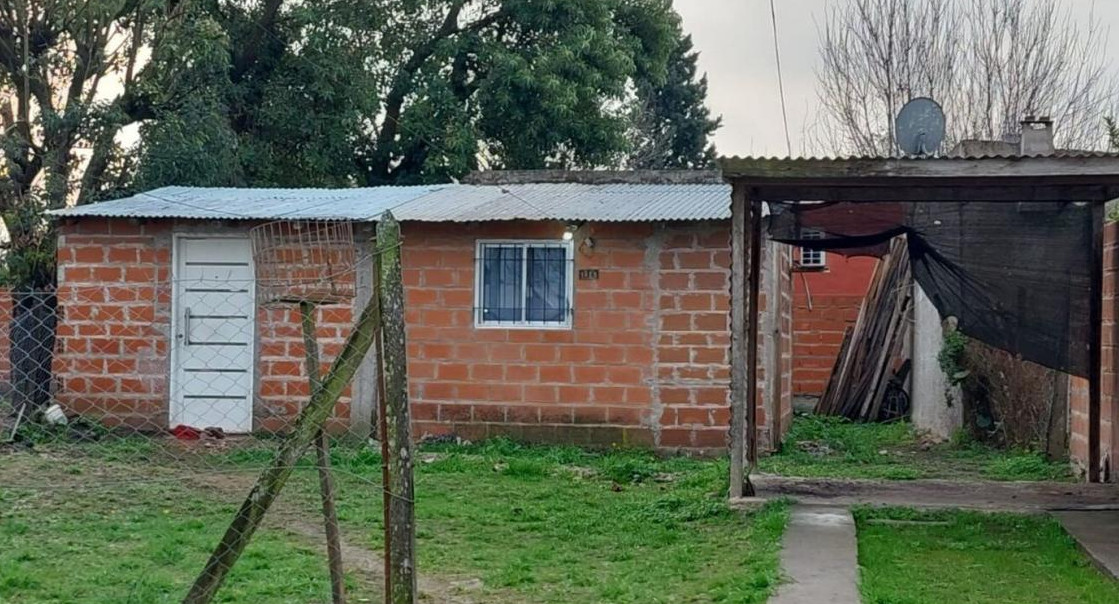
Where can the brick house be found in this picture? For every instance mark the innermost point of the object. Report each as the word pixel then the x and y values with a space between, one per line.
pixel 587 312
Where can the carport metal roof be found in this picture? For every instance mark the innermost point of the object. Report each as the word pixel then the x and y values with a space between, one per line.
pixel 1065 176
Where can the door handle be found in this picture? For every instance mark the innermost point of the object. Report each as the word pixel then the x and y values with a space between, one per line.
pixel 186 327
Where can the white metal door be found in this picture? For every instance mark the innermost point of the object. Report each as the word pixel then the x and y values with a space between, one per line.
pixel 214 328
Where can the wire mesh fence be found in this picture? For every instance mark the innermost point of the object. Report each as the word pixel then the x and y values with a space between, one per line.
pixel 159 403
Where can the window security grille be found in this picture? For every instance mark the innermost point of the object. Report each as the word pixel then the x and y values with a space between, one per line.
pixel 523 283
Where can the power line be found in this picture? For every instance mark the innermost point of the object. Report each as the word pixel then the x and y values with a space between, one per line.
pixel 780 77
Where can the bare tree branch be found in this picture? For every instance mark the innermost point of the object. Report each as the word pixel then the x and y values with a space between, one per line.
pixel 988 62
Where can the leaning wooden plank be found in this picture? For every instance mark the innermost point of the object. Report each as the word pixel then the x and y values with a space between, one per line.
pixel 896 312
pixel 894 358
pixel 883 369
pixel 829 389
pixel 852 363
pixel 272 480
pixel 889 318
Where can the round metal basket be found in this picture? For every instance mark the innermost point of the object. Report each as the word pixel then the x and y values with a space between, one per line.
pixel 304 261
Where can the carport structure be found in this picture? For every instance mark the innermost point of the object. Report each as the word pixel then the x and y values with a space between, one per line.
pixel 879 185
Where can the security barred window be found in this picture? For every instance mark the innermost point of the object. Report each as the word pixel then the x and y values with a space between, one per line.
pixel 524 284
pixel 810 258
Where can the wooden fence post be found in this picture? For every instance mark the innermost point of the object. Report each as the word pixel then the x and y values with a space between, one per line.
pixel 322 451
pixel 398 418
pixel 739 337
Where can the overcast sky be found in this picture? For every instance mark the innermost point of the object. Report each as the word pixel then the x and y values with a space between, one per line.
pixel 735 41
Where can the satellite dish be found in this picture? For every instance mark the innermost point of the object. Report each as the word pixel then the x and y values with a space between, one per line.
pixel 920 127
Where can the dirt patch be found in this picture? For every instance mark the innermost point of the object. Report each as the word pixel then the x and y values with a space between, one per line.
pixel 50 472
pixel 369 565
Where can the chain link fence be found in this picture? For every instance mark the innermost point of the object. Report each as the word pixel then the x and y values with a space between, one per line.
pixel 157 406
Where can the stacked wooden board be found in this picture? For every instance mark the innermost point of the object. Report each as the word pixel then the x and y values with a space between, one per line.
pixel 876 345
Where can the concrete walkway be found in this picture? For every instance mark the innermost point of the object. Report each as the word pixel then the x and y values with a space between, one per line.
pixel 819 557
pixel 1098 535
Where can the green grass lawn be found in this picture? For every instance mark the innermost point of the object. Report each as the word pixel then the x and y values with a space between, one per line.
pixel 976 559
pixel 831 447
pixel 534 524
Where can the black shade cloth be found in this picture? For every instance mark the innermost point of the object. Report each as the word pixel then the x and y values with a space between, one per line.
pixel 1015 275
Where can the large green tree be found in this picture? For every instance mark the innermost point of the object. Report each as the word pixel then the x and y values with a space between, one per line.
pixel 672 125
pixel 342 92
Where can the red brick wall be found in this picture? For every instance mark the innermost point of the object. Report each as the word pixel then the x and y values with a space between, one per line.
pixel 824 303
pixel 112 354
pixel 646 361
pixel 1078 387
pixel 693 339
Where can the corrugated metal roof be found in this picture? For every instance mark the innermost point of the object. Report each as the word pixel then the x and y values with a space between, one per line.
pixel 430 203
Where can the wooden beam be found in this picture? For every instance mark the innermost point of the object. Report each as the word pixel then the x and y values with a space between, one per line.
pixel 738 336
pixel 1095 356
pixel 1095 170
pixel 899 192
pixel 752 335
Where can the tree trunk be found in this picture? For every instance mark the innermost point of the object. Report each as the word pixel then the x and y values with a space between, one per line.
pixel 398 418
pixel 32 350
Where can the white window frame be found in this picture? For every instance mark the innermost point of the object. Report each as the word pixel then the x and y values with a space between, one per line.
pixel 479 268
pixel 819 258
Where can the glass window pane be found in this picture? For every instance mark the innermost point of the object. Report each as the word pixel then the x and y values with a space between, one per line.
pixel 547 284
pixel 502 298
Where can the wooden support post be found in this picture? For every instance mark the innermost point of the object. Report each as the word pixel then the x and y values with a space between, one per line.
pixel 739 482
pixel 382 435
pixel 292 448
pixel 322 450
pixel 397 416
pixel 1095 356
pixel 752 336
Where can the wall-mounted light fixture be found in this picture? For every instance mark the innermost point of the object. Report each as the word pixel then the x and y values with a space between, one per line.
pixel 570 230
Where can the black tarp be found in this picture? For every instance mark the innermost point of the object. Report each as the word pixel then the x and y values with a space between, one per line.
pixel 1015 275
